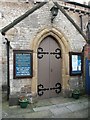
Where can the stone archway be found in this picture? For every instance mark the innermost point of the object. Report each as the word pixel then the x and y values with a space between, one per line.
pixel 65 56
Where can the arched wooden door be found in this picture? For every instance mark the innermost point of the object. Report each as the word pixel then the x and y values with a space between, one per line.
pixel 49 68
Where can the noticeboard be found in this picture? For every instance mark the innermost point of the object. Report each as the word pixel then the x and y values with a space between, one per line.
pixel 23 64
pixel 75 63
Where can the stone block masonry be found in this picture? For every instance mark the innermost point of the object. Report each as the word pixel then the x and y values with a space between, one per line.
pixel 27 35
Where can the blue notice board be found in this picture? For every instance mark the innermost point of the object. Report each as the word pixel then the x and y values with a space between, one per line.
pixel 87 76
pixel 22 64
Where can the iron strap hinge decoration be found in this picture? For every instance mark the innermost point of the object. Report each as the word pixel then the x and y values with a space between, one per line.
pixel 41 89
pixel 57 88
pixel 41 53
pixel 57 53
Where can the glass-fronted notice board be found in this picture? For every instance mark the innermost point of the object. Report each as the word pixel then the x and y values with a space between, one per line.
pixel 75 63
pixel 22 63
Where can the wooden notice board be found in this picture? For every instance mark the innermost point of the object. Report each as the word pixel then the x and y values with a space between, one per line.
pixel 76 63
pixel 23 64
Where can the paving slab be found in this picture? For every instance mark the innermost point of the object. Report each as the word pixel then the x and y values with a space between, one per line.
pixel 59 100
pixel 82 100
pixel 59 111
pixel 16 110
pixel 45 102
pixel 4 114
pixel 58 105
pixel 65 104
pixel 41 114
pixel 77 114
pixel 45 108
pixel 41 108
pixel 49 108
pixel 81 114
pixel 86 104
pixel 76 107
pixel 14 116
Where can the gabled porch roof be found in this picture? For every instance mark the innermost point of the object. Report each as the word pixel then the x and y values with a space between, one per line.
pixel 19 19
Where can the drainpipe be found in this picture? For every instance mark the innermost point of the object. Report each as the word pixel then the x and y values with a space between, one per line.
pixel 81 24
pixel 8 76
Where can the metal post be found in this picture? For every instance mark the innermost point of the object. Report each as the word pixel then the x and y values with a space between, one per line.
pixel 8 82
pixel 88 31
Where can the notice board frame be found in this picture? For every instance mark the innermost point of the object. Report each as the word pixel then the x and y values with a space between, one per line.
pixel 23 52
pixel 79 61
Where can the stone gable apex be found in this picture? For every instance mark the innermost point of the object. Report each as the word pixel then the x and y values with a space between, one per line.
pixel 19 19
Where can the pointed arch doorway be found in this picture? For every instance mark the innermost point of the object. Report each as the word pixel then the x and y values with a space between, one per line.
pixel 49 68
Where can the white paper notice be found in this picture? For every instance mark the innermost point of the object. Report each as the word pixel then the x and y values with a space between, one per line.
pixel 74 62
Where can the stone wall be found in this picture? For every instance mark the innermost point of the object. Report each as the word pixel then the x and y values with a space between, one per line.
pixel 22 36
pixel 0 51
pixel 0 60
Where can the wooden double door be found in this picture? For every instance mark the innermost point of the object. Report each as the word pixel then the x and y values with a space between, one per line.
pixel 49 68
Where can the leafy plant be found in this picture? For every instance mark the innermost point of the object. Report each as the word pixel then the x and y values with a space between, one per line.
pixel 23 99
pixel 76 91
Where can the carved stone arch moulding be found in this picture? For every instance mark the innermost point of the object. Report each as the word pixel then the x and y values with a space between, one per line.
pixel 64 45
